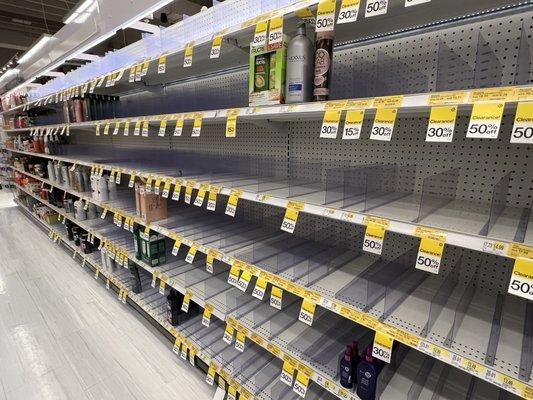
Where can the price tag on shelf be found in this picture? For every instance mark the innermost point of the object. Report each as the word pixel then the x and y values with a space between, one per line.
pixel 145 66
pixel 441 124
pixel 409 3
pixel 232 393
pixel 187 59
pixel 447 98
pixel 157 185
pixel 376 7
pixel 291 216
pixel 228 334
pixel 330 124
pixel 259 289
pixel 231 207
pixel 275 33
pixel 197 127
pixel 276 297
pixel 375 234
pixel 176 247
pixel 188 191
pixel 215 47
pixel 200 196
pixel 233 277
pixel 325 17
pixel 166 188
pixel 287 373
pixel 186 301
pixel 260 35
pixel 485 121
pixel 132 180
pixel 307 312
pixel 383 124
pixel 162 127
pixel 131 77
pixel 300 384
pixel 210 378
pixel 521 283
pixel 148 186
pixel 118 177
pixel 137 129
pixel 231 123
pixel 162 64
pixel 179 126
pixel 191 254
pixel 523 124
pixel 498 94
pixel 382 348
pixel 353 124
pixel 239 341
pixel 206 317
pixel 146 124
pixel 244 280
pixel 212 199
pixel 430 251
pixel 104 213
pixel 212 255
pixel 116 129
pixel 177 190
pixel 348 12
pixel 97 129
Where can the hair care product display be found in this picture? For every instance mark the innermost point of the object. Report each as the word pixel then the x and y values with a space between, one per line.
pixel 298 86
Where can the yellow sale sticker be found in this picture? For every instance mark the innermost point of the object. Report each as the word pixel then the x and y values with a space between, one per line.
pixel 441 124
pixel 353 124
pixel 523 124
pixel 485 121
pixel 383 124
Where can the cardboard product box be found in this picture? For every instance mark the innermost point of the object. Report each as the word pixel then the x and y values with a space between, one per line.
pixel 266 75
pixel 150 207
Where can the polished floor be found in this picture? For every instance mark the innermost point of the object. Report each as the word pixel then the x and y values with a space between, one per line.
pixel 63 336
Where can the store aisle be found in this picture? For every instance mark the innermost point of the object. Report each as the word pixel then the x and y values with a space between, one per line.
pixel 63 336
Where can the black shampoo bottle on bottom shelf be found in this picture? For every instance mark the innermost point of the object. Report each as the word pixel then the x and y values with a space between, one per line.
pixel 367 375
pixel 347 368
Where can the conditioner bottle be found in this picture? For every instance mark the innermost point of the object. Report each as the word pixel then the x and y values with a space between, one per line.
pixel 299 76
pixel 323 63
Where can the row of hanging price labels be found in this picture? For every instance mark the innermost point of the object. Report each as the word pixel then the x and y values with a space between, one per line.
pixel 485 119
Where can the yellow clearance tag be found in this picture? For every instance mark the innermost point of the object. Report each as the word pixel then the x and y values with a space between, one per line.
pixel 382 347
pixel 215 47
pixel 348 12
pixel 233 276
pixel 145 66
pixel 276 296
pixel 197 127
pixel 301 384
pixel 260 288
pixel 97 129
pixel 210 378
pixel 127 128
pixel 157 185
pixel 291 216
pixel 260 36
pixel 188 191
pixel 306 15
pixel 330 124
pixel 485 121
pixel 275 33
pixel 137 129
pixel 191 254
pixel 176 247
pixel 179 126
pixel 430 251
pixel 441 124
pixel 166 188
pixel 353 124
pixel 383 124
pixel 375 234
pixel 212 199
pixel 307 312
pixel 231 207
pixel 186 301
pixel 231 123
pixel 132 180
pixel 200 196
pixel 162 64
pixel 239 341
pixel 523 124
pixel 187 60
pixel 162 127
pixel 228 334
pixel 206 317
pixel 325 17
pixel 521 283
pixel 287 373
pixel 212 255
pixel 244 280
pixel 117 128
pixel 145 128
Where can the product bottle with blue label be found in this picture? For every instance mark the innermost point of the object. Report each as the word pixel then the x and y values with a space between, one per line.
pixel 347 368
pixel 299 75
pixel 367 375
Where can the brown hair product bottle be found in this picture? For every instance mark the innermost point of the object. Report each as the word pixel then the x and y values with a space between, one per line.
pixel 323 61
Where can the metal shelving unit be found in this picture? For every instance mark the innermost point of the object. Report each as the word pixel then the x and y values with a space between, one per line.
pixel 460 333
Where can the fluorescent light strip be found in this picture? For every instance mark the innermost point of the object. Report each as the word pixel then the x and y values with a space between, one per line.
pixel 36 47
pixel 78 11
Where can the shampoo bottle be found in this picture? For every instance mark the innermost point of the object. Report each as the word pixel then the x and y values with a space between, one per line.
pixel 299 76
pixel 346 368
pixel 367 375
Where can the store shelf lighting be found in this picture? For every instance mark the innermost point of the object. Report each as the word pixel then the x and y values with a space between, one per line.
pixel 76 12
pixel 35 48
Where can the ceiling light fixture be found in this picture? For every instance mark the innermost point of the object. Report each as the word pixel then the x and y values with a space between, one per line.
pixel 76 12
pixel 35 48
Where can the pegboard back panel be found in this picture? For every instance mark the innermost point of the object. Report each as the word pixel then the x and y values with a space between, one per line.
pixel 492 52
